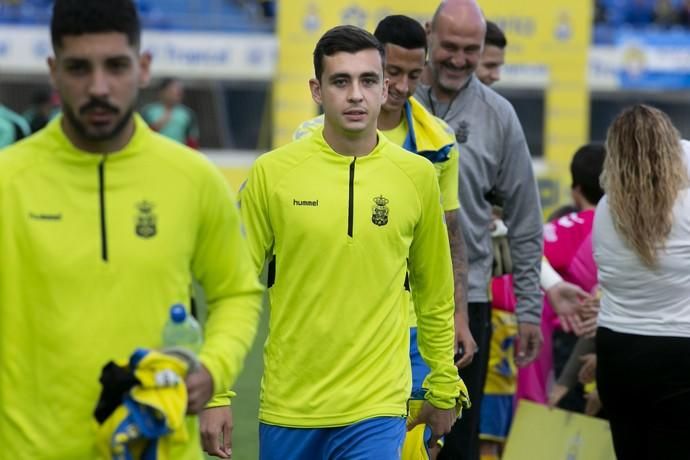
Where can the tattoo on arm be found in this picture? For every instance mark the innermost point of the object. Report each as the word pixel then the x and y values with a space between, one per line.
pixel 458 253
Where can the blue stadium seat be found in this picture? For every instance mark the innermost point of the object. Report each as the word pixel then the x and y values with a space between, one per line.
pixel 201 15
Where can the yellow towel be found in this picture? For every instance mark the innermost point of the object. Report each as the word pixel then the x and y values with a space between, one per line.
pixel 152 414
pixel 427 135
pixel 415 445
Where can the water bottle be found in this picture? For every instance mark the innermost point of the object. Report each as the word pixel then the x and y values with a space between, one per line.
pixel 182 335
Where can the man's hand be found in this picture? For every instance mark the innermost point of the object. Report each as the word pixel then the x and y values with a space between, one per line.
pixel 464 340
pixel 568 301
pixel 215 423
pixel 589 316
pixel 593 403
pixel 433 451
pixel 567 298
pixel 588 328
pixel 199 389
pixel 588 369
pixel 440 421
pixel 528 344
pixel 591 308
pixel 556 394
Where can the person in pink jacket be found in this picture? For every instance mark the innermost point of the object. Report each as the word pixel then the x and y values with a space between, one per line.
pixel 564 238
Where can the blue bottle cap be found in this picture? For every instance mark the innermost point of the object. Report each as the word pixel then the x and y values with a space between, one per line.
pixel 178 313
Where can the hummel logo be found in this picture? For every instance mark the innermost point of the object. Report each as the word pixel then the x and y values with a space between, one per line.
pixel 45 216
pixel 305 202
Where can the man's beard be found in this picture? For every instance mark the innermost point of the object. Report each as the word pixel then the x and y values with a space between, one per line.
pixel 83 131
pixel 454 85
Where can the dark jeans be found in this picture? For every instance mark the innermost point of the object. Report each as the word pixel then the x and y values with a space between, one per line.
pixel 462 443
pixel 644 386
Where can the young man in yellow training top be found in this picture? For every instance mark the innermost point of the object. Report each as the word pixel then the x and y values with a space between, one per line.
pixel 405 122
pixel 343 215
pixel 103 223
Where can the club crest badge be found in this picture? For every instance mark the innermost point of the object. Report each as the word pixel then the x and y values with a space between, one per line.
pixel 145 222
pixel 463 132
pixel 379 215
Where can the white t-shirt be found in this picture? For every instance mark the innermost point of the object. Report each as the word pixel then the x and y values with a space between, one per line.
pixel 634 298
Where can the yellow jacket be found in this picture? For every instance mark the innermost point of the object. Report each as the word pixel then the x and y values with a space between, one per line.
pixel 95 249
pixel 427 136
pixel 341 234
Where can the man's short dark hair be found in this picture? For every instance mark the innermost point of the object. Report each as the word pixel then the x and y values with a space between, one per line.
pixel 585 169
pixel 79 17
pixel 495 36
pixel 402 31
pixel 348 39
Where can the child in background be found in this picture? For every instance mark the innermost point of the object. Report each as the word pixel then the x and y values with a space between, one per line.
pixel 567 234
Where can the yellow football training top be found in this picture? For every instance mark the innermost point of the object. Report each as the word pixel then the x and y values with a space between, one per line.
pixel 446 171
pixel 341 233
pixel 398 134
pixel 431 133
pixel 95 249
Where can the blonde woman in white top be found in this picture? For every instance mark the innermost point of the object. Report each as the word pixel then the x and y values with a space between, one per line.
pixel 642 249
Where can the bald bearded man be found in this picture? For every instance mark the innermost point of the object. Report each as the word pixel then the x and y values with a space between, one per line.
pixel 494 162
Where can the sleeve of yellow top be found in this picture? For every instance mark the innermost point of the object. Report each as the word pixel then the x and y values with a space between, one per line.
pixel 254 208
pixel 222 264
pixel 431 275
pixel 448 181
pixel 221 399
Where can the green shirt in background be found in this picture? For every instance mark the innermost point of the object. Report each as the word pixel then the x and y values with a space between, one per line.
pixel 182 126
pixel 12 127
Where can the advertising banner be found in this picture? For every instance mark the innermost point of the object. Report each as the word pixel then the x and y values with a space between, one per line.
pixel 551 38
pixel 540 433
pixel 217 56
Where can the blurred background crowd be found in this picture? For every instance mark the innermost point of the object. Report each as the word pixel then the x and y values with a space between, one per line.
pixel 234 108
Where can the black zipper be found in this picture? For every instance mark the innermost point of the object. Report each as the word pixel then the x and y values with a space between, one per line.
pixel 101 196
pixel 351 203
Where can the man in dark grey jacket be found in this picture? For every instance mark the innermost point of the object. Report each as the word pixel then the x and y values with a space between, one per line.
pixel 494 162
